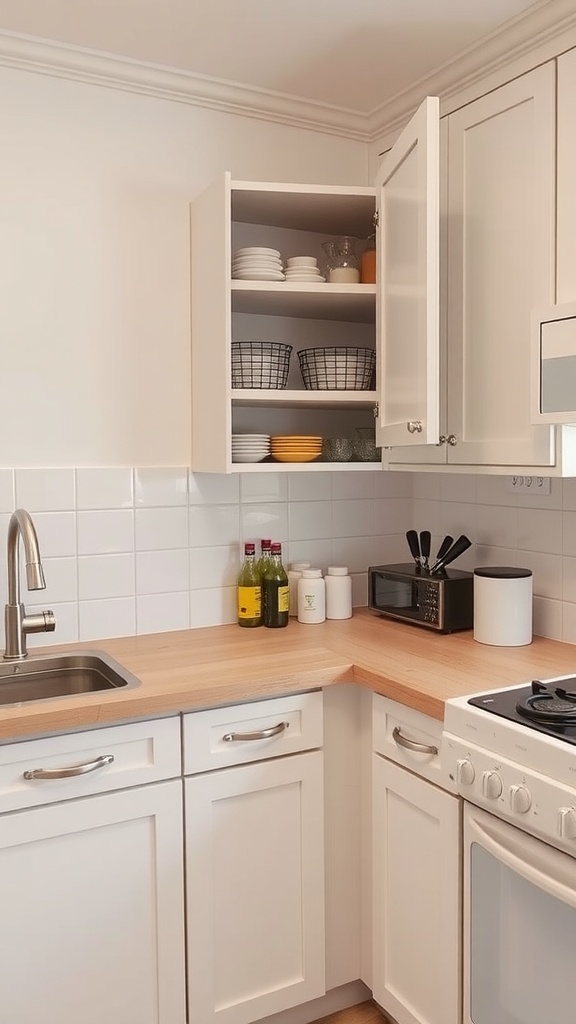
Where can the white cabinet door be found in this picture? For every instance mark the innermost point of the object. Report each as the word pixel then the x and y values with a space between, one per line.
pixel 91 921
pixel 416 897
pixel 501 263
pixel 255 889
pixel 408 301
pixel 566 271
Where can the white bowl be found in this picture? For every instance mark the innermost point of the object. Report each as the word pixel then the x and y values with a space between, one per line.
pixel 257 250
pixel 302 261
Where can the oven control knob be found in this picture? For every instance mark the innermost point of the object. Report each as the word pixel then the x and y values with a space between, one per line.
pixel 465 772
pixel 491 785
pixel 520 799
pixel 567 823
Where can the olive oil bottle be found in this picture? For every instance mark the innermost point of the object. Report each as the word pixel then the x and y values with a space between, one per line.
pixel 249 590
pixel 275 591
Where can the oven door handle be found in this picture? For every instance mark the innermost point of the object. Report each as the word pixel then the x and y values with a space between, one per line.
pixel 543 866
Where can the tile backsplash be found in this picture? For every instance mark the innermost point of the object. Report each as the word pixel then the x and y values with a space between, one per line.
pixel 145 550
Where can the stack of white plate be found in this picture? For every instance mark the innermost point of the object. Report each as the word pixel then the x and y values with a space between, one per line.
pixel 250 447
pixel 303 268
pixel 256 263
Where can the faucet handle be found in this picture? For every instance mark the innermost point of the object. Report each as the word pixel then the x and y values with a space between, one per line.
pixel 40 622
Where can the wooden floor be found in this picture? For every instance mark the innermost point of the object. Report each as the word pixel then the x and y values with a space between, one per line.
pixel 364 1013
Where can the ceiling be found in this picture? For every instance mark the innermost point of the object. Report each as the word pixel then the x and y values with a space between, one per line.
pixel 351 54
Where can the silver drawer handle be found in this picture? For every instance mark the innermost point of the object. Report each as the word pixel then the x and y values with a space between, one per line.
pixel 403 741
pixel 69 773
pixel 263 734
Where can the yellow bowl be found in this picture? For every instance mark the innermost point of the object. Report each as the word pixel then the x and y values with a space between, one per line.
pixel 295 456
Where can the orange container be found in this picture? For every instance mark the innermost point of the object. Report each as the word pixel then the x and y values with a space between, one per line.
pixel 368 262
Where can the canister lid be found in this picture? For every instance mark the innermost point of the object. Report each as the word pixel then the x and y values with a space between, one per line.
pixel 310 574
pixel 337 570
pixel 502 572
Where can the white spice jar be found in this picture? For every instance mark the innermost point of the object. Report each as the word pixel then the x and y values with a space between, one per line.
pixel 294 574
pixel 503 606
pixel 338 593
pixel 311 596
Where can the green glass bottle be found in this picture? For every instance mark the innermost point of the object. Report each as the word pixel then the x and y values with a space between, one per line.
pixel 265 546
pixel 275 591
pixel 249 590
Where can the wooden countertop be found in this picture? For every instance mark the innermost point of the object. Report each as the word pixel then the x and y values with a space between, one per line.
pixel 196 668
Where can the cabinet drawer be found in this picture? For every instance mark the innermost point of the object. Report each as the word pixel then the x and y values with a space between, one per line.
pixel 141 752
pixel 395 728
pixel 252 732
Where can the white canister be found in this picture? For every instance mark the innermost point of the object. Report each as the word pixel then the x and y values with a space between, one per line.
pixel 503 606
pixel 311 596
pixel 338 593
pixel 294 574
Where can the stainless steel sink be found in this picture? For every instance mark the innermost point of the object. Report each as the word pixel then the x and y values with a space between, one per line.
pixel 61 675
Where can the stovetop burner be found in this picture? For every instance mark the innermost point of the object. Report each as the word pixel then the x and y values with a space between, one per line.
pixel 546 707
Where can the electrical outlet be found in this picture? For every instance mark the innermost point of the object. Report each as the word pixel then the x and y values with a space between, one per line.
pixel 528 485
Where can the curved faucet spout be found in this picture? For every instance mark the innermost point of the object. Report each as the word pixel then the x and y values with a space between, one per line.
pixel 17 622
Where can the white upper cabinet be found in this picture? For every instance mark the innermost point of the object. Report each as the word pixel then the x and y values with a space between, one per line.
pixel 408 303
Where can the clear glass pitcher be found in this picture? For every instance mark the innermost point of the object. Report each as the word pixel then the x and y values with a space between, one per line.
pixel 342 263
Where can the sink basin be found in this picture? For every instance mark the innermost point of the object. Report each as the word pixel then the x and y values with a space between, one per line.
pixel 61 675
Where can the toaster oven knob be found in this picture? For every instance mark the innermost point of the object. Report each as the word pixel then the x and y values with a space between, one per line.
pixel 491 785
pixel 520 799
pixel 465 772
pixel 567 823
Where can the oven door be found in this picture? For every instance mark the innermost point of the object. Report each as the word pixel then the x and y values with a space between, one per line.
pixel 519 952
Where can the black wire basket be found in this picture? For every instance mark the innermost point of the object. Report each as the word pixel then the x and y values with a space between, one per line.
pixel 341 368
pixel 260 364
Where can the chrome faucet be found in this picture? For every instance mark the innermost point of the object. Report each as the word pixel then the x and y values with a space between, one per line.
pixel 17 622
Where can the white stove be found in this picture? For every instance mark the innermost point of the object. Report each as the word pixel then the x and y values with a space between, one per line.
pixel 520 769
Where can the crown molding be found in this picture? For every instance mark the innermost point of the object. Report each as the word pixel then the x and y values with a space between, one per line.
pixel 528 40
pixel 59 60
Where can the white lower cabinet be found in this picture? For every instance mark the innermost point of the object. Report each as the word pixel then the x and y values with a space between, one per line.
pixel 415 880
pixel 255 875
pixel 91 891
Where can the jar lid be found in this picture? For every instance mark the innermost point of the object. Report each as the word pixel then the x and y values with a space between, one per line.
pixel 502 572
pixel 298 566
pixel 311 573
pixel 337 570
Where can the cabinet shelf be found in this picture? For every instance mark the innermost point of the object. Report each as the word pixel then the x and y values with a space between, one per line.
pixel 304 467
pixel 354 303
pixel 310 399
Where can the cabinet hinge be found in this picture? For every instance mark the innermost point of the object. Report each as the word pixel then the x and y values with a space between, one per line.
pixel 376 411
pixel 376 219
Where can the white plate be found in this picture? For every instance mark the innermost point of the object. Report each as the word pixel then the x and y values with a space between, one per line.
pixel 240 457
pixel 251 437
pixel 258 264
pixel 257 250
pixel 258 275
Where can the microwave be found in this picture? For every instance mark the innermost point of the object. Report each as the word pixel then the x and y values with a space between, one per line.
pixel 444 602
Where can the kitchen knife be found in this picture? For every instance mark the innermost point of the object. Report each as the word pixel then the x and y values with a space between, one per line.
pixel 414 545
pixel 457 548
pixel 444 547
pixel 425 538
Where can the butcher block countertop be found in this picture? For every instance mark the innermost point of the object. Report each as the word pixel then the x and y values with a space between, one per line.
pixel 198 668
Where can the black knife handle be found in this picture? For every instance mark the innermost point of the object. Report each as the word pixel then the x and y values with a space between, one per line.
pixel 425 540
pixel 457 548
pixel 445 546
pixel 414 545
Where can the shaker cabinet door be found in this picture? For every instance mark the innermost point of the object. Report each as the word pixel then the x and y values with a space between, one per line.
pixel 407 189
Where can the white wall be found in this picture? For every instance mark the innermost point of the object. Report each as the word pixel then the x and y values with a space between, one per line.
pixel 95 185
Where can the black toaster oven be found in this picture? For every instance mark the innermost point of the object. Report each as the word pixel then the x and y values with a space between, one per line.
pixel 444 601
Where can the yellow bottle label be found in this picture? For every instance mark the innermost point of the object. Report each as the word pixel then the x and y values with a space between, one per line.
pixel 249 602
pixel 283 599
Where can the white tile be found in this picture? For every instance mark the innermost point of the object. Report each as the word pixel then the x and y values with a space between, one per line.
pixel 101 619
pixel 264 487
pixel 213 525
pixel 547 572
pixel 61 583
pixel 105 532
pixel 569 533
pixel 393 485
pixel 457 518
pixel 66 631
pixel 540 531
pixel 484 555
pixel 569 494
pixel 158 529
pixel 352 485
pixel 492 490
pixel 355 552
pixel 318 552
pixel 213 488
pixel 359 590
pixel 533 499
pixel 426 515
pixel 309 520
pixel 497 526
pixel 426 486
pixel 162 572
pixel 104 488
pixel 257 521
pixel 353 518
pixel 159 488
pixel 7 494
pixel 45 490
pixel 212 607
pixel 393 515
pixel 310 486
pixel 102 576
pixel 568 623
pixel 389 550
pixel 159 613
pixel 56 533
pixel 214 567
pixel 460 487
pixel 547 618
pixel 568 580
